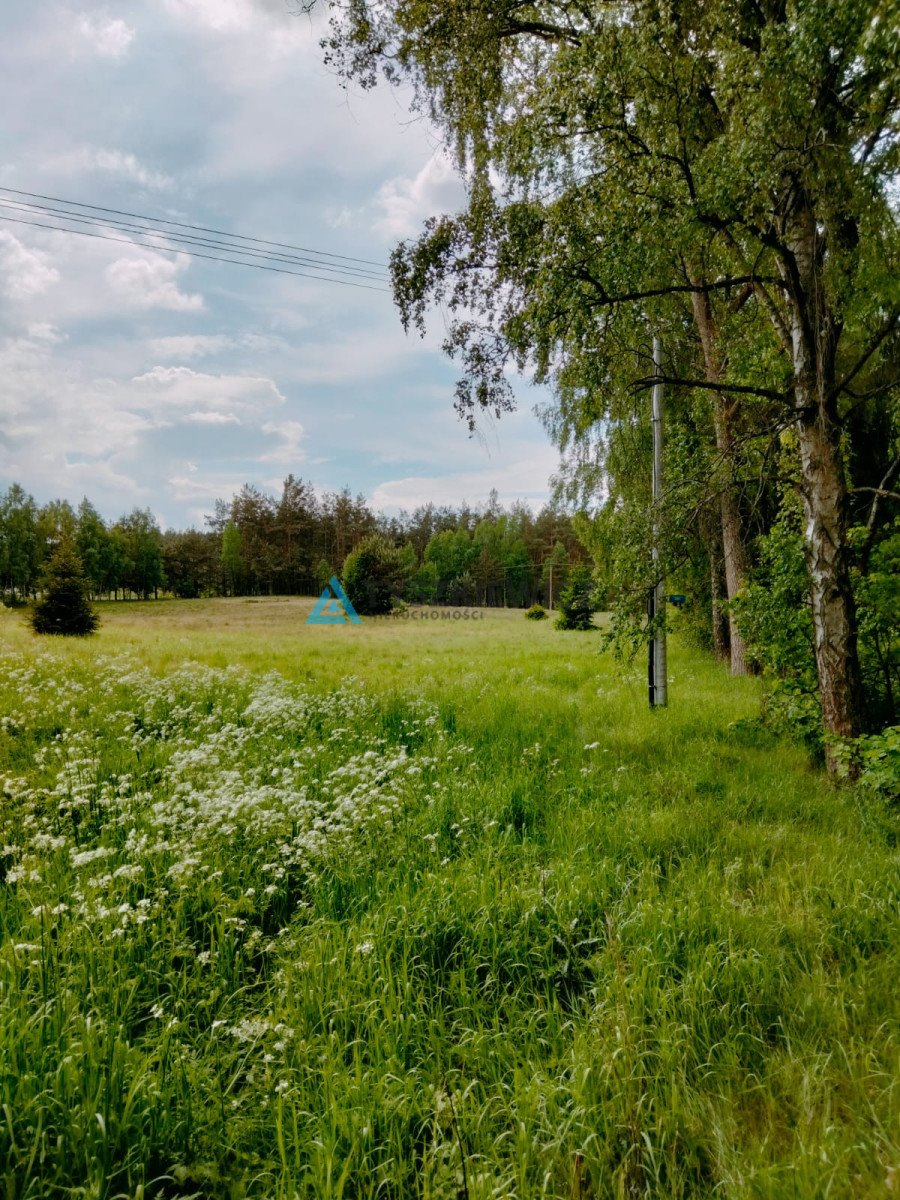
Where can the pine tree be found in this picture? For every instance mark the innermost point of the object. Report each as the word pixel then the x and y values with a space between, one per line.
pixel 65 606
pixel 578 602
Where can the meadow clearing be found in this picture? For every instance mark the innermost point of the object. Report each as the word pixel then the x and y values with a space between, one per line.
pixel 427 909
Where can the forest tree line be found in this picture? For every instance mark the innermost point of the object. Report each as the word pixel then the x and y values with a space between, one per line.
pixel 258 544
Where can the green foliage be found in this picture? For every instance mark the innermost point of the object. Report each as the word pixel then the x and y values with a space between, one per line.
pixel 554 571
pixel 695 623
pixel 773 613
pixel 191 563
pixel 423 585
pixel 452 554
pixel 461 590
pixel 374 574
pixel 877 590
pixel 492 565
pixel 142 544
pixel 232 562
pixel 879 759
pixel 578 601
pixel 323 573
pixel 64 607
pixel 20 548
pixel 537 612
pixel 57 523
pixel 774 617
pixel 873 760
pixel 95 548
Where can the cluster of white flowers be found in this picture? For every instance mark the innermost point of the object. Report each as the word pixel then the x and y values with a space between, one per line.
pixel 142 789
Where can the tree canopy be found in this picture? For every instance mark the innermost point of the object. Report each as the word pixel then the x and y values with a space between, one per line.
pixel 719 174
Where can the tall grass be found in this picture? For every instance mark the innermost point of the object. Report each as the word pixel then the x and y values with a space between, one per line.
pixel 433 911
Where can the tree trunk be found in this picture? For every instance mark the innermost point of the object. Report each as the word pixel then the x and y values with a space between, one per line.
pixel 814 334
pixel 833 608
pixel 734 553
pixel 734 549
pixel 720 633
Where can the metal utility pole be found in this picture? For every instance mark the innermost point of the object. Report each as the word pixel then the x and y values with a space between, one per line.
pixel 657 668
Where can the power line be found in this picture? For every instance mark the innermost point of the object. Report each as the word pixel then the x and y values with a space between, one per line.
pixel 323 265
pixel 195 253
pixel 189 240
pixel 184 225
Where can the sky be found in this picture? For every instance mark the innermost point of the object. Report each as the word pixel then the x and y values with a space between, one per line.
pixel 156 379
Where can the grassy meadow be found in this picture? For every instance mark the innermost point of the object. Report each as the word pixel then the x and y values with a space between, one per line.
pixel 427 909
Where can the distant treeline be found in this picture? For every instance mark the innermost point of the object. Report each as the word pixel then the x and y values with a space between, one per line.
pixel 257 544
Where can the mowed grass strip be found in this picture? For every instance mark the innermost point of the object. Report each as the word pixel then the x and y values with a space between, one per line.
pixel 427 908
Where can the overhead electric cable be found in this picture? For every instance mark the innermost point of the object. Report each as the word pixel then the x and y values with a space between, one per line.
pixel 190 241
pixel 185 225
pixel 128 241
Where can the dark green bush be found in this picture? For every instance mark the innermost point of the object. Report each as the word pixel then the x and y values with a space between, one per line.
pixel 374 574
pixel 537 612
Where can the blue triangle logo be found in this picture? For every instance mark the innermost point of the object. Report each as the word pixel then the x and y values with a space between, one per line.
pixel 333 607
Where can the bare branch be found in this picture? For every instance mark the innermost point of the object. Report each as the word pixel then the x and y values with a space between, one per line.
pixel 884 332
pixel 879 493
pixel 738 388
pixel 768 301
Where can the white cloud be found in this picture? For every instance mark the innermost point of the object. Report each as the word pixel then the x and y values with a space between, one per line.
pixel 25 272
pixel 212 418
pixel 57 278
pixel 192 487
pixel 66 433
pixel 341 218
pixel 168 389
pixel 263 62
pixel 289 450
pixel 121 163
pixel 206 345
pixel 198 345
pixel 63 431
pixel 406 201
pixel 276 29
pixel 43 331
pixel 526 479
pixel 107 36
pixel 90 476
pixel 218 15
pixel 149 282
pixel 358 360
